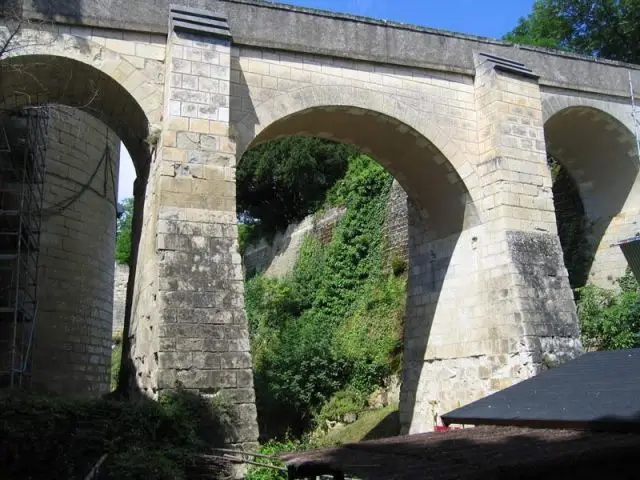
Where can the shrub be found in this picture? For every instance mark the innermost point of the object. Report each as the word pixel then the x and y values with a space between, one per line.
pixel 371 338
pixel 608 319
pixel 44 437
pixel 349 400
pixel 273 448
pixel 398 265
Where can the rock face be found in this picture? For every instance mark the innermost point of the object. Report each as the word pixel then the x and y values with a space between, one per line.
pixel 387 395
pixel 277 258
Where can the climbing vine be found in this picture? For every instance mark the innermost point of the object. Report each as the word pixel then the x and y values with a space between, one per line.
pixel 335 322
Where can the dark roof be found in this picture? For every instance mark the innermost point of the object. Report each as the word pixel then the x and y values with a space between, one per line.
pixel 631 251
pixel 599 391
pixel 479 453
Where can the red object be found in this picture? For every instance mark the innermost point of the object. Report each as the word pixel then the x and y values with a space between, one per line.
pixel 441 428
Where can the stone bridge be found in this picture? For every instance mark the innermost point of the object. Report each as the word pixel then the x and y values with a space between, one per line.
pixel 463 123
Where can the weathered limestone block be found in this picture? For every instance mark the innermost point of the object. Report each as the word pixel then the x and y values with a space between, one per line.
pixel 492 305
pixel 201 331
pixel 72 345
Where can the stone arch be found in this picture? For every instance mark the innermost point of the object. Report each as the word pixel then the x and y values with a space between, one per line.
pixel 440 183
pixel 595 147
pixel 553 104
pixel 46 67
pixel 400 122
pixel 76 264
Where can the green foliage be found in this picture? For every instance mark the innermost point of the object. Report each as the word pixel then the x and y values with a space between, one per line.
pixel 123 233
pixel 371 338
pixel 247 234
pixel 335 321
pixel 544 27
pixel 273 448
pixel 282 181
pixel 116 357
pixel 349 400
pixel 46 437
pixel 398 265
pixel 606 28
pixel 355 253
pixel 610 320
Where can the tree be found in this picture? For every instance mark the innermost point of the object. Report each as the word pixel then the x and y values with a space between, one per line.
pixel 602 28
pixel 123 232
pixel 283 181
pixel 610 320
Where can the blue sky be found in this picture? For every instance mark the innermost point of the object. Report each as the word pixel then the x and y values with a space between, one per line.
pixel 489 18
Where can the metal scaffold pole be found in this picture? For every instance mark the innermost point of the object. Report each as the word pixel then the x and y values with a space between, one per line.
pixel 23 145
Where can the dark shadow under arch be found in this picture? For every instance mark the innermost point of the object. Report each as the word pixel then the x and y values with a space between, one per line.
pixel 595 173
pixel 28 80
pixel 440 208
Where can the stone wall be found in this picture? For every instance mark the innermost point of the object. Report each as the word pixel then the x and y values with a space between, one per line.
pixel 73 335
pixel 120 279
pixel 396 225
pixel 278 257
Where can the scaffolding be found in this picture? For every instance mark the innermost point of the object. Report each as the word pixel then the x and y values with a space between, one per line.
pixel 23 142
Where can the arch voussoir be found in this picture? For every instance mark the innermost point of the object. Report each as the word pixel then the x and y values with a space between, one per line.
pixel 286 104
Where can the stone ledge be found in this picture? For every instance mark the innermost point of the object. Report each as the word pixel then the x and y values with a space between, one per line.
pixel 197 21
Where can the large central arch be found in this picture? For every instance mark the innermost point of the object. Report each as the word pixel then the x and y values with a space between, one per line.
pixel 428 146
pixel 438 180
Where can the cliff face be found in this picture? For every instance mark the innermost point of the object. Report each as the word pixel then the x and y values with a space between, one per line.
pixel 277 258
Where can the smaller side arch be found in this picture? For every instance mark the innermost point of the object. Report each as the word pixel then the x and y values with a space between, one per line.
pixel 50 67
pixel 554 103
pixel 596 185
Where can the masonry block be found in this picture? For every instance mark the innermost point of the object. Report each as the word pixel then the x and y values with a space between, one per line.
pixel 202 330
pixel 72 340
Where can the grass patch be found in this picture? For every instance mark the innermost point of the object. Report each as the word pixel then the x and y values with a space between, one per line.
pixel 371 424
pixel 116 356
